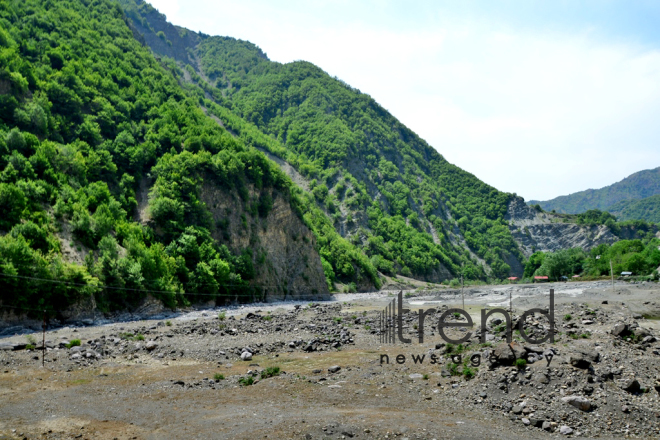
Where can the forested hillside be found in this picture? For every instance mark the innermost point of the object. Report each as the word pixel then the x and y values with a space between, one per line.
pixel 90 122
pixel 637 186
pixel 134 161
pixel 384 188
pixel 644 209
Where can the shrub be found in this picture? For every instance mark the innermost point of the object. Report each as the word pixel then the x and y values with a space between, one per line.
pixel 138 337
pixel 246 381
pixel 31 340
pixel 218 377
pixel 30 347
pixel 468 373
pixel 521 363
pixel 73 343
pixel 453 369
pixel 337 319
pixel 267 318
pixel 270 372
pixel 567 317
pixel 367 327
pixel 222 316
pixel 425 377
pixel 168 323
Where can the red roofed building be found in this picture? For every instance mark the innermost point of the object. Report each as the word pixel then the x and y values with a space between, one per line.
pixel 541 279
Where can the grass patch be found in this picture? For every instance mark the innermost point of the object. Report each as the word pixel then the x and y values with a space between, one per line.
pixel 267 318
pixel 425 377
pixel 168 323
pixel 222 316
pixel 337 319
pixel 567 317
pixel 270 372
pixel 218 377
pixel 30 347
pixel 521 363
pixel 246 381
pixel 73 343
pixel 453 369
pixel 468 373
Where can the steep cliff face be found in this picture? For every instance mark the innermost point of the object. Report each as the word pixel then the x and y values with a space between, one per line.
pixel 541 231
pixel 287 265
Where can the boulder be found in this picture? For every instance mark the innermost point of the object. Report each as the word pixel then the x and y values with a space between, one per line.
pixel 246 356
pixel 151 345
pixel 584 357
pixel 506 354
pixel 631 386
pixel 620 329
pixel 334 369
pixel 581 403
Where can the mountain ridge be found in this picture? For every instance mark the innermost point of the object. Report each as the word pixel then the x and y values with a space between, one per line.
pixel 639 185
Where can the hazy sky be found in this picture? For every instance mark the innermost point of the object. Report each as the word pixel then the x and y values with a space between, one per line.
pixel 538 98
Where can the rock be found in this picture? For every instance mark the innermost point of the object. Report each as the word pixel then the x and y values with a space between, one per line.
pixel 526 421
pixel 583 357
pixel 334 369
pixel 581 403
pixel 537 423
pixel 151 345
pixel 625 409
pixel 506 354
pixel 565 430
pixel 246 356
pixel 631 386
pixel 620 329
pixel 546 426
pixel 445 373
pixel 517 409
pixel 87 322
pixel 585 322
pixel 412 376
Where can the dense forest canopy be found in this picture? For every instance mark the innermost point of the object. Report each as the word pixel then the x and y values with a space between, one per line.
pixel 86 112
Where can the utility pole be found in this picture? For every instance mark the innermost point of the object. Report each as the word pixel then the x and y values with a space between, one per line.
pixel 612 275
pixel 43 340
pixel 510 302
pixel 462 294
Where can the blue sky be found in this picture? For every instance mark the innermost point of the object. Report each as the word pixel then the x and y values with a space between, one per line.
pixel 537 98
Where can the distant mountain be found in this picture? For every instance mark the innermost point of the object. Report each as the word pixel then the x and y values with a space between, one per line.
pixel 645 209
pixel 637 186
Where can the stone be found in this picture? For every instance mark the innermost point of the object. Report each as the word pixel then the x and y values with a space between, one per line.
pixel 334 369
pixel 546 426
pixel 526 421
pixel 246 356
pixel 565 430
pixel 620 329
pixel 583 357
pixel 517 409
pixel 581 403
pixel 631 386
pixel 506 354
pixel 151 345
pixel 412 376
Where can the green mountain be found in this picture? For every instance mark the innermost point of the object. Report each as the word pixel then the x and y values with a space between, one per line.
pixel 645 209
pixel 385 189
pixel 138 158
pixel 639 185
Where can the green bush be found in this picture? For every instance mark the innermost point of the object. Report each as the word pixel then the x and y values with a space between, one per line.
pixel 218 377
pixel 73 343
pixel 270 372
pixel 246 381
pixel 222 316
pixel 468 373
pixel 521 363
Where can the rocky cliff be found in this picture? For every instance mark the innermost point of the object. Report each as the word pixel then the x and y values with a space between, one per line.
pixel 282 247
pixel 542 231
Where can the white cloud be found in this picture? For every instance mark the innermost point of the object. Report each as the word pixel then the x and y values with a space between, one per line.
pixel 541 114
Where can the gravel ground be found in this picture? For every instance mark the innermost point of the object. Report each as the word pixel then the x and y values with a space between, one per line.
pixel 187 375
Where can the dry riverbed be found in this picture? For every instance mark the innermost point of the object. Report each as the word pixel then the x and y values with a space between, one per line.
pixel 196 375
